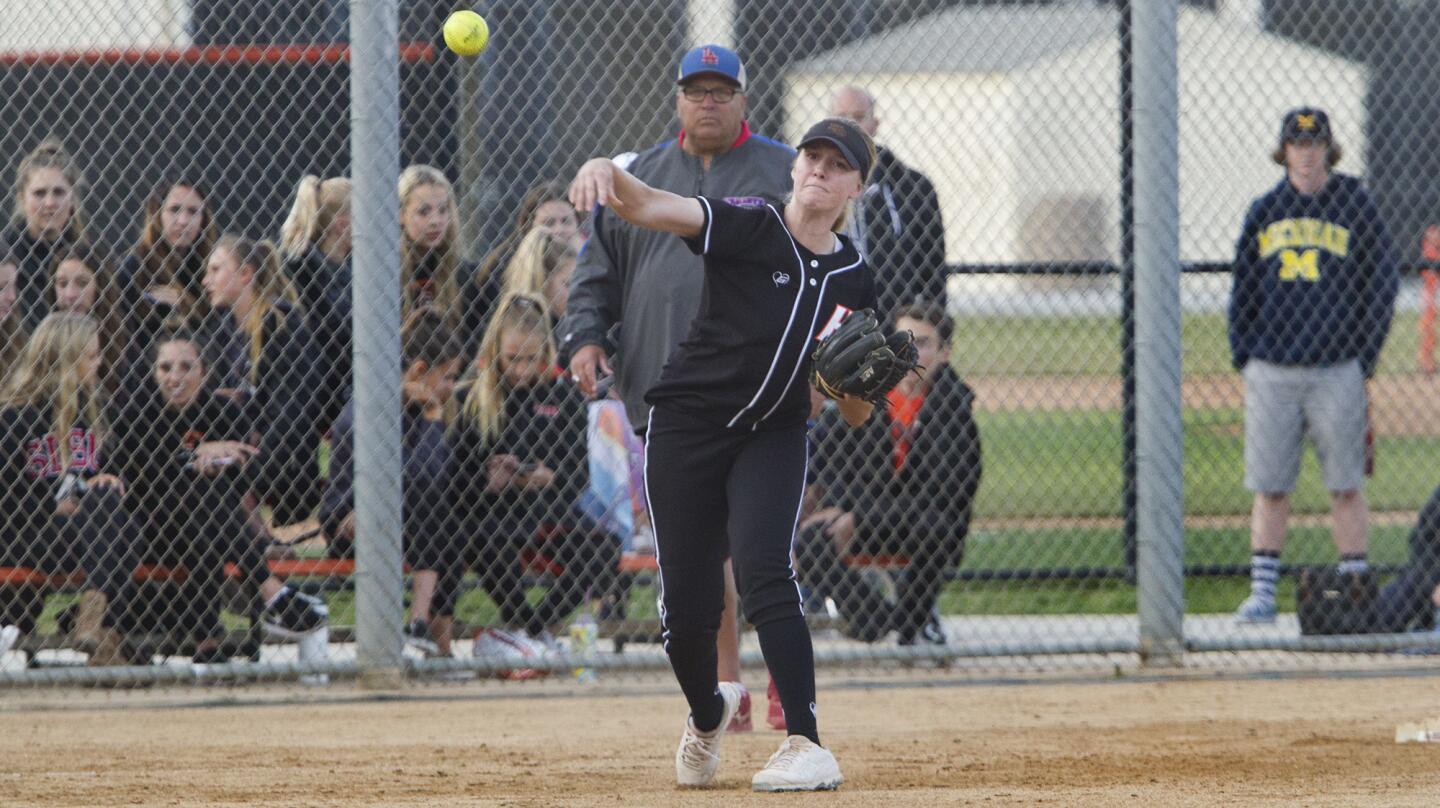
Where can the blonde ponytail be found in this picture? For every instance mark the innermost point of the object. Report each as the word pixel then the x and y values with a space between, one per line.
pixel 269 285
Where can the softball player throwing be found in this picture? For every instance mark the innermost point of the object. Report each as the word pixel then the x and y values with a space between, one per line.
pixel 726 456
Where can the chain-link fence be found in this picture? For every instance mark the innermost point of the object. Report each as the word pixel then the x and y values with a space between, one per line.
pixel 281 321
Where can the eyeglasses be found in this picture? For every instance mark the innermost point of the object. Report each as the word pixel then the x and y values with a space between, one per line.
pixel 722 95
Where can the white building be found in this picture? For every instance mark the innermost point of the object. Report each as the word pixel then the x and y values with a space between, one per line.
pixel 1014 113
pixel 88 25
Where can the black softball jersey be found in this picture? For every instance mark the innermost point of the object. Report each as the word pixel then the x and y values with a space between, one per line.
pixel 765 302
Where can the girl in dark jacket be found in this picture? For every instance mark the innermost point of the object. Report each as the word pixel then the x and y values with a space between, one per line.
pixel 316 244
pixel 433 266
pixel 183 449
pixel 545 208
pixel 159 281
pixel 60 512
pixel 264 354
pixel 48 216
pixel 520 450
pixel 81 282
pixel 432 357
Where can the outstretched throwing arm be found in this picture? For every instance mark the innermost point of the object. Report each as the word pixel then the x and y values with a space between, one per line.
pixel 601 182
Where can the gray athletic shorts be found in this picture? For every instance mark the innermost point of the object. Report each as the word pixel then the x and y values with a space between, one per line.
pixel 1283 403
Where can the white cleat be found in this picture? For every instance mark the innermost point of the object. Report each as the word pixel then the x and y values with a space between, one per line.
pixel 799 765
pixel 699 755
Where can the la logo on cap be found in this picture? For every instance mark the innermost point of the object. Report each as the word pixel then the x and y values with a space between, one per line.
pixel 1305 122
pixel 709 57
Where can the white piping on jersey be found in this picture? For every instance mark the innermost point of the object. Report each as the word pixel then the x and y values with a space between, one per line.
pixel 813 318
pixel 709 225
pixel 788 325
pixel 795 529
pixel 655 528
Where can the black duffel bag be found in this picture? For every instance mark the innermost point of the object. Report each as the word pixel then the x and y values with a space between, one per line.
pixel 1329 601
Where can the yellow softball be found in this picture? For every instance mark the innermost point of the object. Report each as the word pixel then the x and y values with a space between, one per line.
pixel 466 33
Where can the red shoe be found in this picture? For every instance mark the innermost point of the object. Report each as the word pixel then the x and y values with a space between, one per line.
pixel 776 717
pixel 741 722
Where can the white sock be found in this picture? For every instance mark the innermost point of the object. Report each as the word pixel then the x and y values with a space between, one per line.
pixel 1264 573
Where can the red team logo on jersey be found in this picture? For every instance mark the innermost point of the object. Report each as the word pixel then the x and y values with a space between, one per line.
pixel 834 322
pixel 44 454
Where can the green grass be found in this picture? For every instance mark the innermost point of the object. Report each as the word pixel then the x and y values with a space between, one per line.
pixel 1090 345
pixel 1069 464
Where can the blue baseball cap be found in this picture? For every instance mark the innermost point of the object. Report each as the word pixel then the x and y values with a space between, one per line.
pixel 711 60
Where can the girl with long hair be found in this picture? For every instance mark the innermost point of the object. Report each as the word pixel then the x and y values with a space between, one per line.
pixel 60 511
pixel 544 207
pixel 81 282
pixel 264 359
pixel 726 449
pixel 520 448
pixel 48 215
pixel 183 450
pixel 159 280
pixel 543 265
pixel 316 244
pixel 433 266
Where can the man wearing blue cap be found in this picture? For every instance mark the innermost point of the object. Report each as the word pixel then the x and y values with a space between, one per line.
pixel 646 284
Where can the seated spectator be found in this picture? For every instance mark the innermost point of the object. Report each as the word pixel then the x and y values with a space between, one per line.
pixel 263 357
pixel 183 450
pixel 48 185
pixel 542 266
pixel 316 243
pixel 12 325
pixel 81 283
pixel 1412 599
pixel 432 357
pixel 160 280
pixel 433 266
pixel 545 207
pixel 59 511
pixel 521 466
pixel 901 484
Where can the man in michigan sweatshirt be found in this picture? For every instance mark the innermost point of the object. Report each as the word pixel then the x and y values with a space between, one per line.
pixel 1314 288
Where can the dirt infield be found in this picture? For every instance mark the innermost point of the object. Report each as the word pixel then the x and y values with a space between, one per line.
pixel 1313 742
pixel 1400 405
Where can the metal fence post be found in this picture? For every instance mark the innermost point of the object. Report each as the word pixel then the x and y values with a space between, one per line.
pixel 1159 440
pixel 375 139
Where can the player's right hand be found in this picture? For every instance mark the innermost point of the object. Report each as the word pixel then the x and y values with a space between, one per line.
pixel 594 184
pixel 587 365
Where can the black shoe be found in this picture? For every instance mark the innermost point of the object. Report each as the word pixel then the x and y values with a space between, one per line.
pixel 929 633
pixel 417 635
pixel 215 654
pixel 294 614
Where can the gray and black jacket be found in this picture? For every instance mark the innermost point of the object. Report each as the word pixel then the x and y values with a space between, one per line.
pixel 649 279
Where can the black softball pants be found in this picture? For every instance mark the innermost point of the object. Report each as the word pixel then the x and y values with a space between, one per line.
pixel 717 492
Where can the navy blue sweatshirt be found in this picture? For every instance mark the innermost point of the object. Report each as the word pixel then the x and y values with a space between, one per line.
pixel 424 481
pixel 1314 278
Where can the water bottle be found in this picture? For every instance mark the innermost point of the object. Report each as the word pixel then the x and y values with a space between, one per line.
pixel 584 634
